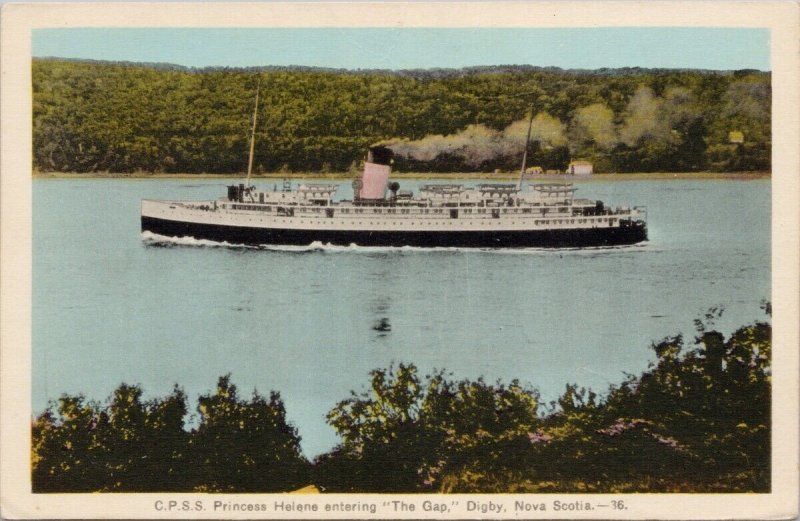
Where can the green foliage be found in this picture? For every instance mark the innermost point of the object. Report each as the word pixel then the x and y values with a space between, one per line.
pixel 105 116
pixel 697 420
pixel 134 446
pixel 126 446
pixel 243 446
pixel 406 432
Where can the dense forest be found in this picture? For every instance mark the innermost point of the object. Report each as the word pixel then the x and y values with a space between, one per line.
pixel 122 117
pixel 696 420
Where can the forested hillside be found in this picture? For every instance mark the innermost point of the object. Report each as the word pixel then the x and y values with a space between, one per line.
pixel 119 117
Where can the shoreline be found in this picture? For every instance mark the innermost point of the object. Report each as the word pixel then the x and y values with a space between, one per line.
pixel 469 176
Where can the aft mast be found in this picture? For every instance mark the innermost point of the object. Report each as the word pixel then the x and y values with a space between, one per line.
pixel 253 137
pixel 525 152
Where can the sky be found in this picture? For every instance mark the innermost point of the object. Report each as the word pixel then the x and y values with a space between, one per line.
pixel 414 48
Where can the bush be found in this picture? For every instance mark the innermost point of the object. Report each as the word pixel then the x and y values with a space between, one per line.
pixel 134 446
pixel 698 420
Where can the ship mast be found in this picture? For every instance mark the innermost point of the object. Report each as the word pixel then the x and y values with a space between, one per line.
pixel 253 136
pixel 525 152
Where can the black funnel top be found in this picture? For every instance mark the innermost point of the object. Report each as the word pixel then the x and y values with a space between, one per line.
pixel 380 154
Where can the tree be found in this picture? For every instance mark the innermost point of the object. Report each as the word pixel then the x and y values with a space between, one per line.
pixel 68 452
pixel 246 446
pixel 130 445
pixel 105 116
pixel 405 432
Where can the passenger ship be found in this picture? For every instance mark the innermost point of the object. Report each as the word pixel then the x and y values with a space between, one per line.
pixel 380 214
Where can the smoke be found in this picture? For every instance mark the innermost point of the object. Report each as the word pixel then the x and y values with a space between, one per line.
pixel 646 118
pixel 595 123
pixel 642 118
pixel 747 99
pixel 660 120
pixel 478 144
pixel 474 145
pixel 680 107
pixel 746 105
pixel 545 129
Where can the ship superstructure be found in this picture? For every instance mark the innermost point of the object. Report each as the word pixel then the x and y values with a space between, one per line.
pixel 491 215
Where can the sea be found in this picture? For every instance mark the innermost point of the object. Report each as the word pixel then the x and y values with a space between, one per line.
pixel 111 305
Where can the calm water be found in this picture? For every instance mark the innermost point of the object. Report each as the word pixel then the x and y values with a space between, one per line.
pixel 110 307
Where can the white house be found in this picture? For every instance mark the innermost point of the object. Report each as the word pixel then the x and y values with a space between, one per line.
pixel 580 168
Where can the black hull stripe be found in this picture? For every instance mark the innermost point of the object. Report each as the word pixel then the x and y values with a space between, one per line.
pixel 611 236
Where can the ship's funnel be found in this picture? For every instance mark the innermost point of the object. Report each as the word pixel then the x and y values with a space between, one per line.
pixel 376 173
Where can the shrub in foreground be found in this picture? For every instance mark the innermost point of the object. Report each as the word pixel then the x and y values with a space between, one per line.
pixel 698 419
pixel 129 445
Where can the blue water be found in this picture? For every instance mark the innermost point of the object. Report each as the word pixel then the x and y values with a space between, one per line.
pixel 110 307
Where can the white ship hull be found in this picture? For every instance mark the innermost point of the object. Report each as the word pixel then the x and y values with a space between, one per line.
pixel 394 225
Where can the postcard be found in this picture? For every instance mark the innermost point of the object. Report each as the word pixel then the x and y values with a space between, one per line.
pixel 385 260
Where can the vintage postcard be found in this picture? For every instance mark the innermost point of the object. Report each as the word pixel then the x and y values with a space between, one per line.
pixel 513 260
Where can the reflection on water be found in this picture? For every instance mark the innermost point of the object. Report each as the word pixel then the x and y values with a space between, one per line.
pixel 380 307
pixel 382 325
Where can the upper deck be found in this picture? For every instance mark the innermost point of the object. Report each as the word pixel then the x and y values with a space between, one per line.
pixel 430 196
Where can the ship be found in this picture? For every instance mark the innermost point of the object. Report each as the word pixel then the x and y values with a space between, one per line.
pixel 380 213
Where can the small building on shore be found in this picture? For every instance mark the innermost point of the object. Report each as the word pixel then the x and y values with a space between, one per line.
pixel 580 168
pixel 736 137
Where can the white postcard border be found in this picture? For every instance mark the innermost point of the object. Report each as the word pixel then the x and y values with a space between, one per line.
pixel 18 20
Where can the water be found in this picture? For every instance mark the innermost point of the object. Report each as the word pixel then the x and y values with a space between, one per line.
pixel 110 306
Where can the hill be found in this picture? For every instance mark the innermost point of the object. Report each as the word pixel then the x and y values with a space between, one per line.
pixel 92 116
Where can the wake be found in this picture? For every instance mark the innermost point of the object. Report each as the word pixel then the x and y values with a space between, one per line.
pixel 161 241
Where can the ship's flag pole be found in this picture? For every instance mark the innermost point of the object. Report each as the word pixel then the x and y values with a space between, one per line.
pixel 525 152
pixel 253 135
